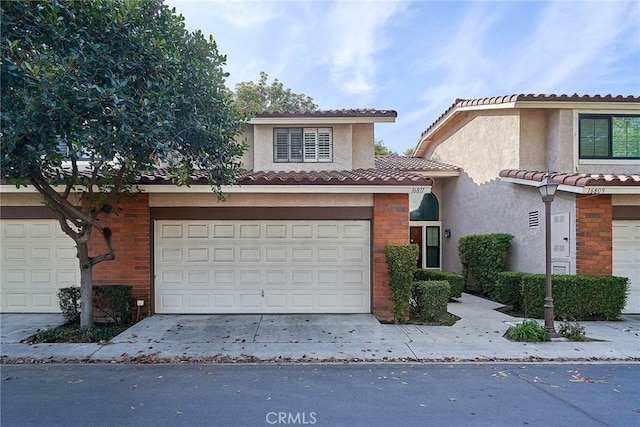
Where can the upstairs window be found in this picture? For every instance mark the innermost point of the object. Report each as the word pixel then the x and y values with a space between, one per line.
pixel 609 136
pixel 298 145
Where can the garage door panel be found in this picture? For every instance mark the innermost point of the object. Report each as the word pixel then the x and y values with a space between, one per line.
pixel 626 259
pixel 301 255
pixel 38 258
pixel 42 301
pixel 256 266
pixel 223 231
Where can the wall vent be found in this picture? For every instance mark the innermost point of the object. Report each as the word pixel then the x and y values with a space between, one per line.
pixel 534 219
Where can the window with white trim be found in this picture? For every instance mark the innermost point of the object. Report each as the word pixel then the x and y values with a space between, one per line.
pixel 293 145
pixel 609 136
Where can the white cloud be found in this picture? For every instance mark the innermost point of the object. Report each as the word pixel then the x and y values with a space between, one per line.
pixel 350 36
pixel 238 13
pixel 574 45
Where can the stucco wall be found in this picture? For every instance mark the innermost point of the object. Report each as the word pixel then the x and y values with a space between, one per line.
pixel 342 149
pixel 625 200
pixel 533 142
pixel 500 207
pixel 21 199
pixel 482 144
pixel 280 200
pixel 560 137
pixel 247 157
pixel 363 150
pixel 477 202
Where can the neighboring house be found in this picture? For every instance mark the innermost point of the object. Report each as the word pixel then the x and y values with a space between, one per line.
pixel 505 145
pixel 303 231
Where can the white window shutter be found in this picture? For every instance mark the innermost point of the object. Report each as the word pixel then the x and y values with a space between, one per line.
pixel 325 145
pixel 281 145
pixel 295 145
pixel 310 145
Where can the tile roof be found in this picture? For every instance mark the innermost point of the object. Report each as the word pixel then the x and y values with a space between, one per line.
pixel 576 179
pixel 330 113
pixel 459 103
pixel 417 164
pixel 374 176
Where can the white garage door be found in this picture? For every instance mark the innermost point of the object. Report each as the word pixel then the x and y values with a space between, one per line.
pixel 626 259
pixel 37 260
pixel 262 267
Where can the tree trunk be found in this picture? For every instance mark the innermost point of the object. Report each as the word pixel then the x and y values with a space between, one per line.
pixel 86 286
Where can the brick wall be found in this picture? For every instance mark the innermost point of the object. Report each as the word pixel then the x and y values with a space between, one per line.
pixel 390 225
pixel 131 241
pixel 594 253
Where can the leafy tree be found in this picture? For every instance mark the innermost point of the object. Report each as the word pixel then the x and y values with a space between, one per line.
pixel 408 152
pixel 122 84
pixel 256 97
pixel 380 149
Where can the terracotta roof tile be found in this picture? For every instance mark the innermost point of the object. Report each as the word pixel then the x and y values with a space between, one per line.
pixel 458 103
pixel 374 176
pixel 417 164
pixel 576 179
pixel 330 113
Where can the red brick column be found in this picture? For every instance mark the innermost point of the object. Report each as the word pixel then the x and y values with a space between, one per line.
pixel 132 245
pixel 594 252
pixel 390 225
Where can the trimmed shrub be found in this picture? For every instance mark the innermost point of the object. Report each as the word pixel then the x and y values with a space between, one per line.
pixel 508 289
pixel 483 257
pixel 401 264
pixel 114 301
pixel 576 297
pixel 573 331
pixel 456 281
pixel 430 299
pixel 69 301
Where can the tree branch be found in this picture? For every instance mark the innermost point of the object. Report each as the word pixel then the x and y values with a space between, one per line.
pixel 72 179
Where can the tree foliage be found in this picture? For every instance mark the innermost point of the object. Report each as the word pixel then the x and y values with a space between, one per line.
pixel 257 97
pixel 379 148
pixel 121 85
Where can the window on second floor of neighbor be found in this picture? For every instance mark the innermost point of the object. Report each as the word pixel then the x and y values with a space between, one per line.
pixel 609 136
pixel 299 145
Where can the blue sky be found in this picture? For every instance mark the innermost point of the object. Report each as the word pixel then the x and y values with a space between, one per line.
pixel 418 57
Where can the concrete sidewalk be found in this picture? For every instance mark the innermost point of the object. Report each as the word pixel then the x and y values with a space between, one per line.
pixel 477 336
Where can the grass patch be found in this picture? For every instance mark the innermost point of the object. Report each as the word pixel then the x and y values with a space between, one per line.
pixel 527 331
pixel 72 333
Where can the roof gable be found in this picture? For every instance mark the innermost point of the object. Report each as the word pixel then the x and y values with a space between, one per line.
pixel 527 101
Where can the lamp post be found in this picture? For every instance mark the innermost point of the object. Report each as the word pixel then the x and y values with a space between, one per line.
pixel 547 190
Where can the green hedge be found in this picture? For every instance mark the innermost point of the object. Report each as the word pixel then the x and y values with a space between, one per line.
pixel 456 281
pixel 430 299
pixel 574 297
pixel 508 289
pixel 401 264
pixel 483 257
pixel 69 301
pixel 114 302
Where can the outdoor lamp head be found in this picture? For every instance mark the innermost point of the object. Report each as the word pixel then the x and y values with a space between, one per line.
pixel 547 189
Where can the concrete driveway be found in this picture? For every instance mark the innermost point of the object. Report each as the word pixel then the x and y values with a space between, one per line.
pixel 14 327
pixel 478 335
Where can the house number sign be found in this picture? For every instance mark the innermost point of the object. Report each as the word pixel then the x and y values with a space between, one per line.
pixel 595 190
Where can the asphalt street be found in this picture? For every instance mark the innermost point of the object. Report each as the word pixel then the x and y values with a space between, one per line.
pixel 360 394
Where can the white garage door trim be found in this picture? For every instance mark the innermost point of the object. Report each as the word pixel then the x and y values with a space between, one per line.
pixel 37 259
pixel 262 266
pixel 626 259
